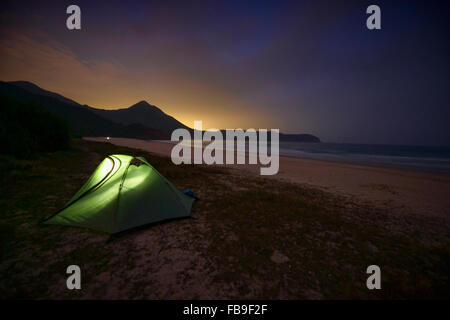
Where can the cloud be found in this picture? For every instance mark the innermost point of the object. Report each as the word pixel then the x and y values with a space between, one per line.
pixel 52 65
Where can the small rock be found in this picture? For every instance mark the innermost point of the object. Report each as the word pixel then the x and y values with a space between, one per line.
pixel 372 248
pixel 278 257
pixel 232 237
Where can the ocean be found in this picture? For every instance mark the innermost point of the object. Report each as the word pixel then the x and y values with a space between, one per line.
pixel 425 158
pixel 428 158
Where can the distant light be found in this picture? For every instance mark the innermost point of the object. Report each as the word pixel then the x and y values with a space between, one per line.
pixel 107 138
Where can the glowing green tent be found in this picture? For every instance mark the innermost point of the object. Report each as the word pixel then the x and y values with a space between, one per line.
pixel 122 193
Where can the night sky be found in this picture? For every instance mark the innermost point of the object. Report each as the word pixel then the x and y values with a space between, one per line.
pixel 303 66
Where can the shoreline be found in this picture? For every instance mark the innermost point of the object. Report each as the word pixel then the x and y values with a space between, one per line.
pixel 291 153
pixel 409 191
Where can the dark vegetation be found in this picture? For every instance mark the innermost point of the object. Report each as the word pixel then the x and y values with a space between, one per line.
pixel 253 238
pixel 27 129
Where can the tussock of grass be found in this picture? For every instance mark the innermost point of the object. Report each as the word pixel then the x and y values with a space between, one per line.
pixel 253 238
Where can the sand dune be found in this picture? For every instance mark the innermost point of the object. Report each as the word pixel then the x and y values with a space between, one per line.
pixel 406 191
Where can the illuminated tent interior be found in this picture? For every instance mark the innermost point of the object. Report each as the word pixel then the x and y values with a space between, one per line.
pixel 123 192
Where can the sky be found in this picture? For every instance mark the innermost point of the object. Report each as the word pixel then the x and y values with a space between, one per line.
pixel 301 67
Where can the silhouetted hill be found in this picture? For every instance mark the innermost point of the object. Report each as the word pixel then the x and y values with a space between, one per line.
pixel 81 121
pixel 299 137
pixel 31 87
pixel 139 131
pixel 303 137
pixel 142 120
pixel 143 113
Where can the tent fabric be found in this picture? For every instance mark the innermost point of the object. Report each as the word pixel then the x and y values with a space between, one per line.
pixel 122 193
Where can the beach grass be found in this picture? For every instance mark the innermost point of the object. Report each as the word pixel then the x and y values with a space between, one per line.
pixel 251 237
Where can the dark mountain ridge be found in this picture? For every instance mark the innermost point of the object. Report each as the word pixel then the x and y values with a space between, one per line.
pixel 81 121
pixel 142 120
pixel 143 113
pixel 31 87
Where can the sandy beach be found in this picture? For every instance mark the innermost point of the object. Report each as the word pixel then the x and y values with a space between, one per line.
pixel 307 233
pixel 408 191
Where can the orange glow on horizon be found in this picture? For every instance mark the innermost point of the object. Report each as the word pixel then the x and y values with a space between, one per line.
pixel 109 85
